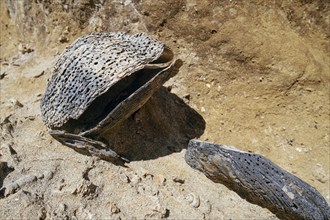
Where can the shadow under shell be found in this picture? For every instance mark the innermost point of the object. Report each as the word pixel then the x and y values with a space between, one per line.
pixel 164 125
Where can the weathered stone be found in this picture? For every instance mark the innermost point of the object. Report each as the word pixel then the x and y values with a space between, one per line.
pixel 258 180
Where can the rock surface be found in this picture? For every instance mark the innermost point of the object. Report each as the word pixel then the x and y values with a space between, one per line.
pixel 258 70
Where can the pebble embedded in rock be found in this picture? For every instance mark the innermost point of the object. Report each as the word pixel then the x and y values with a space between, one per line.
pixel 187 97
pixel 193 199
pixel 42 213
pixel 26 179
pixel 15 103
pixel 178 180
pixel 320 174
pixel 63 39
pixel 144 173
pixel 48 174
pixel 135 179
pixel 62 207
pixel 124 178
pixel 86 189
pixel 113 208
pixel 10 189
pixel 40 74
pixel 2 75
pixel 160 179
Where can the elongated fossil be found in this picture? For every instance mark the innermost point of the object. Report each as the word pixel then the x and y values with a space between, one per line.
pixel 258 180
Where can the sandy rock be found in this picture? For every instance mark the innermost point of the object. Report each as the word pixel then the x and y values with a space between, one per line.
pixel 256 67
pixel 26 180
pixel 86 189
pixel 10 189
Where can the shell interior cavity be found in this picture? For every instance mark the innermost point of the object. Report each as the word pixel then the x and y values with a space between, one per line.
pixel 93 64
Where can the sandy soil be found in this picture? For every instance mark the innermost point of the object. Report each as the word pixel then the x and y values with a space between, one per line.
pixel 255 75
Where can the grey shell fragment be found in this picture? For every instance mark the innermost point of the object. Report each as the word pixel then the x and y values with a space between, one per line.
pixel 259 180
pixel 89 67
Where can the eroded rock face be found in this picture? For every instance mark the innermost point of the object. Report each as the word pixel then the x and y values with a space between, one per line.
pixel 185 19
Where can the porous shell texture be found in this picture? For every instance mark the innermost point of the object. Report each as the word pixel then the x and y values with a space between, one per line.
pixel 89 67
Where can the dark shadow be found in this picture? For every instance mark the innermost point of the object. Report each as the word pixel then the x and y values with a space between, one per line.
pixel 4 171
pixel 164 125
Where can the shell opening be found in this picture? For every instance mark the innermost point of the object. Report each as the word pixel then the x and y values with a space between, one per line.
pixel 101 107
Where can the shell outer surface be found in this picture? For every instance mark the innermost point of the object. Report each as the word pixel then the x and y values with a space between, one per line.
pixel 89 67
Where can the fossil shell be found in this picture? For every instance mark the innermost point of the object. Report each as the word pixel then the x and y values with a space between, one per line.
pixel 193 199
pixel 89 67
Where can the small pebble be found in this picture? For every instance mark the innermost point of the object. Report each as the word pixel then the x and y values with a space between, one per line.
pixel 113 208
pixel 299 149
pixel 25 49
pixel 26 179
pixel 11 189
pixel 160 179
pixel 193 199
pixel 48 174
pixel 62 207
pixel 187 97
pixel 85 189
pixel 178 180
pixel 42 213
pixel 40 176
pixel 15 103
pixel 135 179
pixel 63 39
pixel 320 174
pixel 124 178
pixel 2 75
pixel 31 117
pixel 40 74
pixel 144 173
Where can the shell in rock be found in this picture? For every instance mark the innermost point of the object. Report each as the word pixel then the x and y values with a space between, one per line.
pixel 89 67
pixel 193 199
